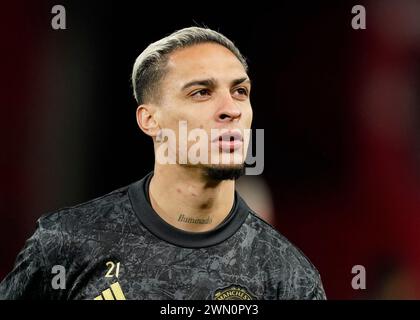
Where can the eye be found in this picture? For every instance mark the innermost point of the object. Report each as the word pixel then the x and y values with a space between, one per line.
pixel 200 94
pixel 241 92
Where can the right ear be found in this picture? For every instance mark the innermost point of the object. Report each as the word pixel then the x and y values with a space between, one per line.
pixel 146 121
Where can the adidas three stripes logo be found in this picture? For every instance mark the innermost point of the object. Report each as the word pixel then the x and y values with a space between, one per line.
pixel 113 293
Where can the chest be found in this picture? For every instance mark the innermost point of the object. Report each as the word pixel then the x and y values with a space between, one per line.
pixel 165 273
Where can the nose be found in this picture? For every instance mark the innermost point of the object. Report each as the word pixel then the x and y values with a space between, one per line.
pixel 229 110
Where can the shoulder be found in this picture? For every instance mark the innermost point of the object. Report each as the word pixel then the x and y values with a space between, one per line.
pixel 286 265
pixel 98 213
pixel 89 229
pixel 266 235
pixel 261 237
pixel 98 220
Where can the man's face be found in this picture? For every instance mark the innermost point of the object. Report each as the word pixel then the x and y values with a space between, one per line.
pixel 207 86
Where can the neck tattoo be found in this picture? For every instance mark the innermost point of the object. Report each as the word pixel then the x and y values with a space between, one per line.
pixel 183 218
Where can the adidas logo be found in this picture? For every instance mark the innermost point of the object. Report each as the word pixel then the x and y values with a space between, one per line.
pixel 113 293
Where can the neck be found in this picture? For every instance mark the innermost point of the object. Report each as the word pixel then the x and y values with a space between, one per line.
pixel 185 197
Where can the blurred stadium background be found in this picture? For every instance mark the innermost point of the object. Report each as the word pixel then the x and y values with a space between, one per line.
pixel 340 109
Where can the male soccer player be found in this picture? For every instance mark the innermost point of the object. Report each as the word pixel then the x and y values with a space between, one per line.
pixel 181 232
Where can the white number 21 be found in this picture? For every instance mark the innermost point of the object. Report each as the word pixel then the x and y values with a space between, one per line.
pixel 111 265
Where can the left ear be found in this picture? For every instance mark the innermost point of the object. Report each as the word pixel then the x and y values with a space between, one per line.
pixel 146 120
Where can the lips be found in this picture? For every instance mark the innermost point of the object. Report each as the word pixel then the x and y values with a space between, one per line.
pixel 229 141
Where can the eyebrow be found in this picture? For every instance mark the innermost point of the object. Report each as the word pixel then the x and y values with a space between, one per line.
pixel 211 82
